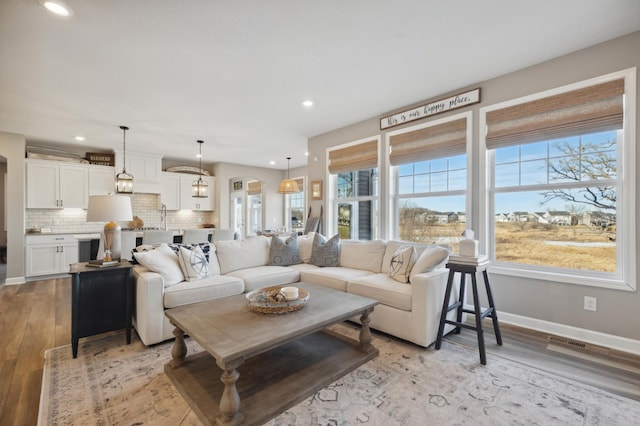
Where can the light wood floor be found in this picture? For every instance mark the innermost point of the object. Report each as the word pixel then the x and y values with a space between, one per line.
pixel 37 315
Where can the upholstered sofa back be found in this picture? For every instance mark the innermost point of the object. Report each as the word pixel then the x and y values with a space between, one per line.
pixel 242 254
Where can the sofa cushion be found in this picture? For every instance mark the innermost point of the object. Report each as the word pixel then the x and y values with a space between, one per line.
pixel 431 258
pixel 265 276
pixel 394 245
pixel 384 289
pixel 284 253
pixel 305 243
pixel 333 277
pixel 362 254
pixel 213 287
pixel 325 252
pixel 193 263
pixel 241 254
pixel 163 261
pixel 401 263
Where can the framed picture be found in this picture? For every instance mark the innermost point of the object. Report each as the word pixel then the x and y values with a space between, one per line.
pixel 316 190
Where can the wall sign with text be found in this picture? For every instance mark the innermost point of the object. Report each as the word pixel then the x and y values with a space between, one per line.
pixel 433 108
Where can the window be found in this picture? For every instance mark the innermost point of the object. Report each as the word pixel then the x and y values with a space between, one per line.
pixel 354 183
pixel 294 210
pixel 559 198
pixel 430 180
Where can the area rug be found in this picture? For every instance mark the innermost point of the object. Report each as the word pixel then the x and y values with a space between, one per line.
pixel 111 383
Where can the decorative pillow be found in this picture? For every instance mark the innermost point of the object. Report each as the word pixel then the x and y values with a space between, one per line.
pixel 163 261
pixel 401 263
pixel 193 263
pixel 325 252
pixel 431 257
pixel 284 253
pixel 305 242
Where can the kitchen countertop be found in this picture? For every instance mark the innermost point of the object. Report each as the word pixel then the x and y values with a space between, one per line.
pixel 83 236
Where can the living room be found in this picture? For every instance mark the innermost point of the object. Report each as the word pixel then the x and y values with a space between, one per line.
pixel 535 300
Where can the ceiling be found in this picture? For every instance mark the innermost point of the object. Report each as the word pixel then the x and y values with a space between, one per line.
pixel 234 73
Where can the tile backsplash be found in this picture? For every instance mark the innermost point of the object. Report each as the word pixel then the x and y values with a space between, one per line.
pixel 144 206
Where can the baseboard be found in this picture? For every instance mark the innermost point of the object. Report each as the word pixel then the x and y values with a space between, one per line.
pixel 589 336
pixel 15 280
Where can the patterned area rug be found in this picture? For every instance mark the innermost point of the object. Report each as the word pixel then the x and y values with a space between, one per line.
pixel 111 383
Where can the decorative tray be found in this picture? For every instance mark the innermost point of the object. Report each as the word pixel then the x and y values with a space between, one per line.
pixel 271 300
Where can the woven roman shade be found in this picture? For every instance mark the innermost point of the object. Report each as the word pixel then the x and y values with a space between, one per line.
pixel 590 109
pixel 254 187
pixel 441 140
pixel 355 157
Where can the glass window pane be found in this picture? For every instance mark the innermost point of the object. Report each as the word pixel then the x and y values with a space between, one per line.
pixel 421 167
pixel 405 169
pixel 457 180
pixel 533 172
pixel 458 162
pixel 438 220
pixel 507 154
pixel 507 175
pixel 438 182
pixel 421 183
pixel 405 185
pixel 439 165
pixel 533 151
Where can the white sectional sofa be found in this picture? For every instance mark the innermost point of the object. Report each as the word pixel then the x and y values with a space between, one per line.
pixel 408 310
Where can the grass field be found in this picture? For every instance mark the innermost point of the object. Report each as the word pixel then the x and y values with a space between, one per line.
pixel 536 244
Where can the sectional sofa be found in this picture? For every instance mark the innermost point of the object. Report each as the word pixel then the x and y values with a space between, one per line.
pixel 408 280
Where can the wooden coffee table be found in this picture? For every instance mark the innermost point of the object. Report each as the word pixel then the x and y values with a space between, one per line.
pixel 258 365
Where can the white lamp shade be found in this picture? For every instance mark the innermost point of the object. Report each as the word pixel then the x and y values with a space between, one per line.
pixel 106 208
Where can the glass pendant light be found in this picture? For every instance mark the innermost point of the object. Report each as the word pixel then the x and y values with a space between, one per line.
pixel 199 188
pixel 124 180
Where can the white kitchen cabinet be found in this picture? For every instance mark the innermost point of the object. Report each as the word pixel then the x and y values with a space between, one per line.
pixel 55 185
pixel 187 202
pixel 50 254
pixel 176 192
pixel 146 170
pixel 101 180
pixel 170 193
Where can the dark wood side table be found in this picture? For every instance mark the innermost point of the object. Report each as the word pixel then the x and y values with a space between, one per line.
pixel 101 300
pixel 464 270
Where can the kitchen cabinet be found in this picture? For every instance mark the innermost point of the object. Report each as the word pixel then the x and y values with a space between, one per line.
pixel 50 254
pixel 176 192
pixel 146 170
pixel 101 180
pixel 55 185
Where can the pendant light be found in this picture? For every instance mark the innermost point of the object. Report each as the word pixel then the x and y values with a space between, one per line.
pixel 124 180
pixel 288 185
pixel 199 187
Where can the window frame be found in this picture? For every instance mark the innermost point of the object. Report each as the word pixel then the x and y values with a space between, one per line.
pixel 287 205
pixel 394 180
pixel 332 190
pixel 625 277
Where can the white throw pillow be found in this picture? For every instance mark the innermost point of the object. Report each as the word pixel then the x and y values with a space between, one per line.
pixel 430 259
pixel 401 263
pixel 193 263
pixel 163 261
pixel 305 243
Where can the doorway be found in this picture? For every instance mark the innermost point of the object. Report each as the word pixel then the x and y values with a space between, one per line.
pixel 246 206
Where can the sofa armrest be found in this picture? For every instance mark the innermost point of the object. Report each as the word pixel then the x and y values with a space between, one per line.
pixel 149 312
pixel 427 298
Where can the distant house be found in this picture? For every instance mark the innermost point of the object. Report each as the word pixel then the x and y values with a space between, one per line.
pixel 538 217
pixel 501 217
pixel 559 217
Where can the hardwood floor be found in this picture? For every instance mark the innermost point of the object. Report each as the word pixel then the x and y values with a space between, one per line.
pixel 37 315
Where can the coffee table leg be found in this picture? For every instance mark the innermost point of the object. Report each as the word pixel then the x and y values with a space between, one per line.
pixel 179 349
pixel 230 401
pixel 365 332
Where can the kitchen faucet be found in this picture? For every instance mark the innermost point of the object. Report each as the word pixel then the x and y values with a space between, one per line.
pixel 163 215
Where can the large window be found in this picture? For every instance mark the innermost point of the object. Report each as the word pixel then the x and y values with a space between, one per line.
pixel 294 210
pixel 354 183
pixel 430 175
pixel 560 201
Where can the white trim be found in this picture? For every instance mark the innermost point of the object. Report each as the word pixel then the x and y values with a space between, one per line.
pixel 15 280
pixel 623 280
pixel 589 336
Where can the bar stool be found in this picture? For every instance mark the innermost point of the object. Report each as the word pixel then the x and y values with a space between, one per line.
pixel 463 270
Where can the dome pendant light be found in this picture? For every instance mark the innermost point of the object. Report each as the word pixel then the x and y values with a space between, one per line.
pixel 199 187
pixel 124 180
pixel 288 185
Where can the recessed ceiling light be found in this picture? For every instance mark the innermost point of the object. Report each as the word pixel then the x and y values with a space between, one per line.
pixel 57 7
pixel 79 138
pixel 306 153
pixel 307 103
pixel 272 162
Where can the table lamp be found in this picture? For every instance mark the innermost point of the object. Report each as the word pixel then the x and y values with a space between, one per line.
pixel 110 209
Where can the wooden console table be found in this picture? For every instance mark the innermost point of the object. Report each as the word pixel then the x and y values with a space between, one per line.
pixel 101 300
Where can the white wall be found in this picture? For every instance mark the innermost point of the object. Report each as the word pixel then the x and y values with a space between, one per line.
pixel 547 305
pixel 12 147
